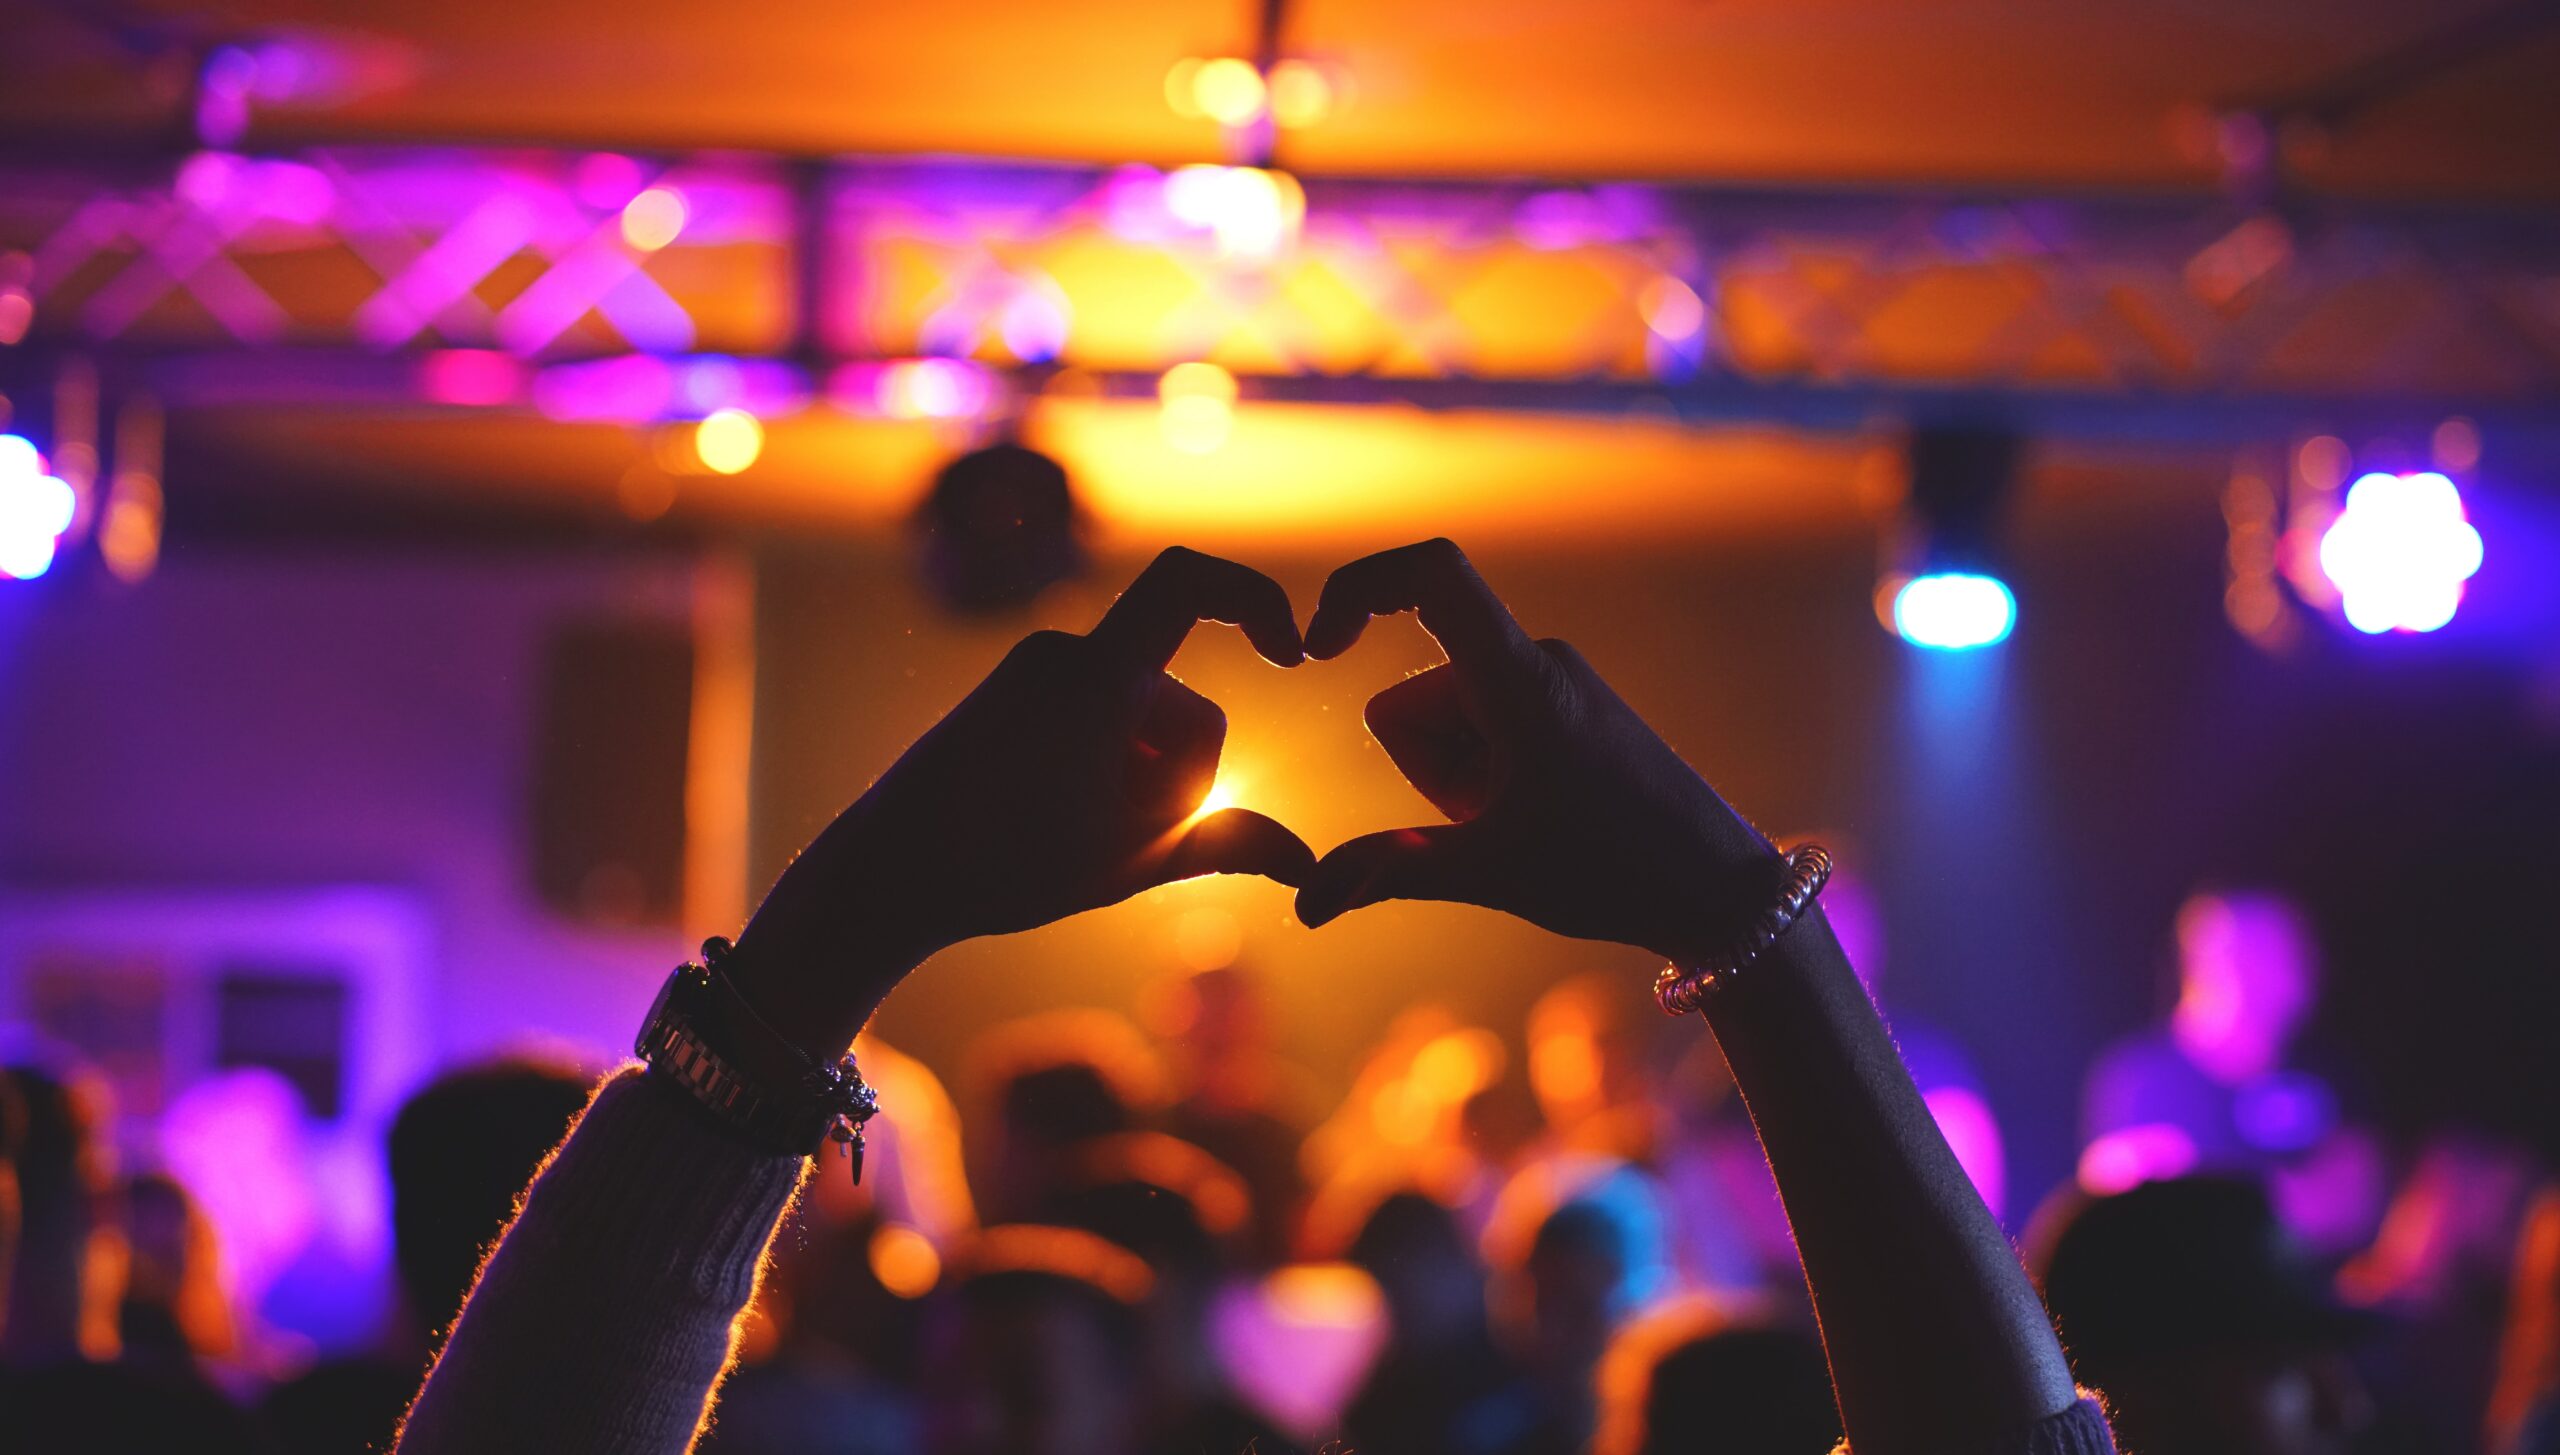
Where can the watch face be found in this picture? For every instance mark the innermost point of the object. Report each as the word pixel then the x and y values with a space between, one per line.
pixel 667 993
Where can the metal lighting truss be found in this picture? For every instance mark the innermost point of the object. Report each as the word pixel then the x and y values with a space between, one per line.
pixel 506 278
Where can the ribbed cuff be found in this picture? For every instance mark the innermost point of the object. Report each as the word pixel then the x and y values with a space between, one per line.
pixel 2079 1430
pixel 652 1186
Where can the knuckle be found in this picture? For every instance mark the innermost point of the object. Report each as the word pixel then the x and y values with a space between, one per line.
pixel 1042 648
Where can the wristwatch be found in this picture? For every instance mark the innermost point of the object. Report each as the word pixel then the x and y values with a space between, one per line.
pixel 703 1035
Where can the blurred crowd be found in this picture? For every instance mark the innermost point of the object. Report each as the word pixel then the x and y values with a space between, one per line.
pixel 1151 1232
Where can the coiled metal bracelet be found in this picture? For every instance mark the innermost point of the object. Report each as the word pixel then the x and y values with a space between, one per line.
pixel 1682 989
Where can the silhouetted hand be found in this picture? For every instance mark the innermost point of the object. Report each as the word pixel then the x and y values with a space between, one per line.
pixel 1066 781
pixel 1569 811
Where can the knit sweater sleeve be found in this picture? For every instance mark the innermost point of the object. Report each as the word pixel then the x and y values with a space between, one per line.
pixel 603 1320
pixel 2079 1430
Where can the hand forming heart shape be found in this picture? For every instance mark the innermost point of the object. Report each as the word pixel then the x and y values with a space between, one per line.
pixel 1069 778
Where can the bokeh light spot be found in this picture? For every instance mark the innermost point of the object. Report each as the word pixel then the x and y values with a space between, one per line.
pixel 728 440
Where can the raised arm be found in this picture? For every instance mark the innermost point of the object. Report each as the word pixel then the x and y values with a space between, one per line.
pixel 1570 812
pixel 1066 781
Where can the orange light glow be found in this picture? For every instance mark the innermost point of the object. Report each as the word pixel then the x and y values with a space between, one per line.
pixel 129 531
pixel 904 1261
pixel 1207 938
pixel 1331 1295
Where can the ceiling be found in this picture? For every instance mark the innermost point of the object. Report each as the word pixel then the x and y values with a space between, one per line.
pixel 2029 93
pixel 2070 91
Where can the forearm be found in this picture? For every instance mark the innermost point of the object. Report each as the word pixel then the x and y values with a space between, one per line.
pixel 1936 1338
pixel 602 1322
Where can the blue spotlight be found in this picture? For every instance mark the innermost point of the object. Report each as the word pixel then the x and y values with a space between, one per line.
pixel 1954 611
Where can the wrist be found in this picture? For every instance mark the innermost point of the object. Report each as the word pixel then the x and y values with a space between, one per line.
pixel 1725 878
pixel 834 936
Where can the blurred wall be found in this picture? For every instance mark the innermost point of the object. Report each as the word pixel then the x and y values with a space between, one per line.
pixel 275 718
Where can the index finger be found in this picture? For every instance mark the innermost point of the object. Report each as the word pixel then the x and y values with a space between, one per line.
pixel 1182 587
pixel 1432 579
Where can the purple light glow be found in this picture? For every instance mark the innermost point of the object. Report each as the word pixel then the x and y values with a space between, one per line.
pixel 914 389
pixel 639 388
pixel 1973 1134
pixel 2246 978
pixel 2285 1111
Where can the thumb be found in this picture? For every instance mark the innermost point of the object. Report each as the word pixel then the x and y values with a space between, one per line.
pixel 1435 861
pixel 1236 841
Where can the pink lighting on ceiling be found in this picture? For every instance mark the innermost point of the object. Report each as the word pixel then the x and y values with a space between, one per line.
pixel 472 377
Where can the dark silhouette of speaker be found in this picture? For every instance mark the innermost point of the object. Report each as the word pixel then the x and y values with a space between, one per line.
pixel 608 787
pixel 999 528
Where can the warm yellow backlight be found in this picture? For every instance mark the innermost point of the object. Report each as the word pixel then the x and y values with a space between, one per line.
pixel 1196 380
pixel 653 219
pixel 1229 91
pixel 1182 88
pixel 1222 794
pixel 1301 96
pixel 1199 407
pixel 728 440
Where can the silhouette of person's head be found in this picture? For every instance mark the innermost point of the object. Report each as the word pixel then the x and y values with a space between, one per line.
pixel 2248 974
pixel 1051 1083
pixel 173 1308
pixel 1428 1272
pixel 998 528
pixel 463 1150
pixel 13 1130
pixel 1685 1379
pixel 60 1307
pixel 1040 1354
pixel 2187 1303
pixel 1183 1212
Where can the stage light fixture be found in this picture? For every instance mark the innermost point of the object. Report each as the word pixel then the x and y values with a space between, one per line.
pixel 2400 552
pixel 653 219
pixel 36 507
pixel 728 440
pixel 998 528
pixel 1942 589
pixel 1301 94
pixel 1253 213
pixel 1953 611
pixel 1229 91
